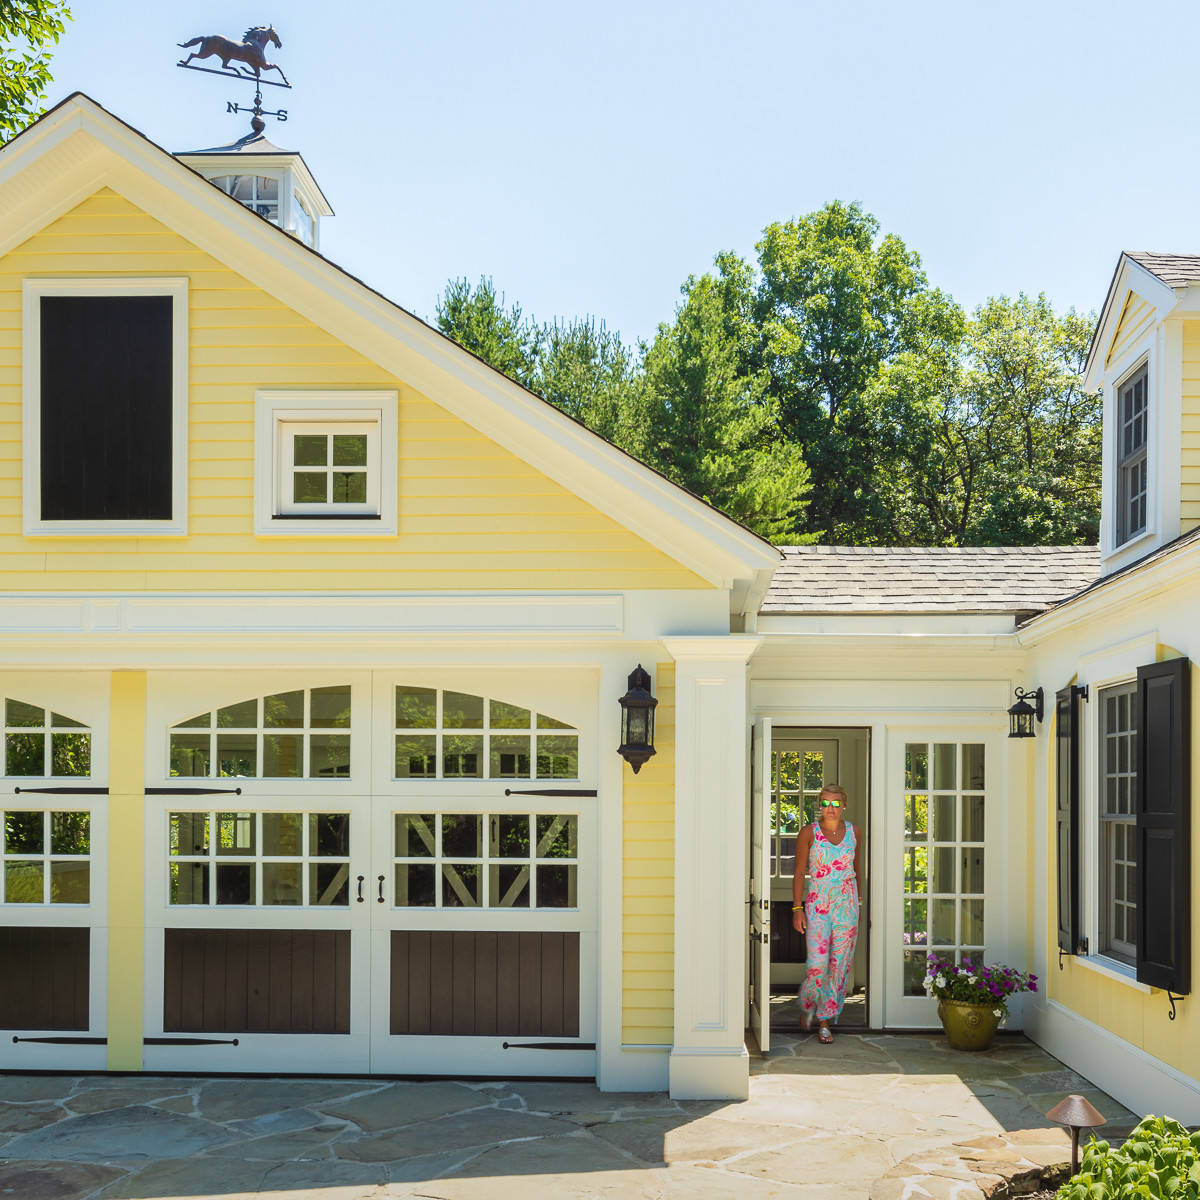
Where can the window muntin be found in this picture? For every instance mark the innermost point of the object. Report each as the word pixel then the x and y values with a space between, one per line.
pixel 47 857
pixel 1132 474
pixel 486 860
pixel 455 735
pixel 299 734
pixel 796 780
pixel 1117 813
pixel 944 809
pixel 260 193
pixel 258 858
pixel 39 742
pixel 329 468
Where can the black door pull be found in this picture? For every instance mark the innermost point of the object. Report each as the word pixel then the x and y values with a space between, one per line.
pixel 381 889
pixel 360 883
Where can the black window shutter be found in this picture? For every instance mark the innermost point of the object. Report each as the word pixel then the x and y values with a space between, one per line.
pixel 1164 825
pixel 1066 817
pixel 106 408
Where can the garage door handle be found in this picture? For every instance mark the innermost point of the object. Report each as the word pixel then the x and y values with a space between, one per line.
pixel 380 897
pixel 360 883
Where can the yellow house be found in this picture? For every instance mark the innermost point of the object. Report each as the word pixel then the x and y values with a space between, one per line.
pixel 314 631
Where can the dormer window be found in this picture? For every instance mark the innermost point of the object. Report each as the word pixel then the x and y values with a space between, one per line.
pixel 257 192
pixel 1132 477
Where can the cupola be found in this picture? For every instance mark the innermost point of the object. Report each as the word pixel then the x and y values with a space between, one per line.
pixel 275 183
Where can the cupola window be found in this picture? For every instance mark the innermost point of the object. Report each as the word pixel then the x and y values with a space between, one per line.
pixel 257 192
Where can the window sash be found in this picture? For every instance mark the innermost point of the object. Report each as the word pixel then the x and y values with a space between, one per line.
pixel 1132 470
pixel 289 430
pixel 1117 823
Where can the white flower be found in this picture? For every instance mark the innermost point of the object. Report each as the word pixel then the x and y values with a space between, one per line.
pixel 972 978
pixel 940 981
pixel 997 1012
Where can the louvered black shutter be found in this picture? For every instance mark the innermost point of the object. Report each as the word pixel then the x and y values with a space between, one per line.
pixel 1164 825
pixel 1066 818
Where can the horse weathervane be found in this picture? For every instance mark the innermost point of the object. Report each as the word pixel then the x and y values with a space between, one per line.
pixel 250 51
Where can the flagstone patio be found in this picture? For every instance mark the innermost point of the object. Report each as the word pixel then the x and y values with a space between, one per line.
pixel 855 1120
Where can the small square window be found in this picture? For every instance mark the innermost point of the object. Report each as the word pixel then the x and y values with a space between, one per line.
pixel 325 463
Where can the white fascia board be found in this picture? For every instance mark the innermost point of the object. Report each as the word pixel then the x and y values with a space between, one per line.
pixel 1137 584
pixel 698 537
pixel 1129 276
pixel 954 626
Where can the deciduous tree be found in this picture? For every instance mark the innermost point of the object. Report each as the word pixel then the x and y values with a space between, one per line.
pixel 28 28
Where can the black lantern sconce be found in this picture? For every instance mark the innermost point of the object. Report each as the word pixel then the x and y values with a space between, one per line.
pixel 637 720
pixel 1022 714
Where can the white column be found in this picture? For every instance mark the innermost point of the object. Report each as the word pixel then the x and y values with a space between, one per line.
pixel 709 1058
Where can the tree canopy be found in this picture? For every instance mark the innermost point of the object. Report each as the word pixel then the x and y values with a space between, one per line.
pixel 829 392
pixel 28 28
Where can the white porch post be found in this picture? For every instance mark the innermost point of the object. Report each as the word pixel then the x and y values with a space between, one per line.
pixel 708 1058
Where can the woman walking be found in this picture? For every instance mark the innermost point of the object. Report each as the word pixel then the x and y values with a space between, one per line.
pixel 827 914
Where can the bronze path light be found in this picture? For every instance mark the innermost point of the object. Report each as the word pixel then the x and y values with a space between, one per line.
pixel 1022 714
pixel 637 720
pixel 1077 1115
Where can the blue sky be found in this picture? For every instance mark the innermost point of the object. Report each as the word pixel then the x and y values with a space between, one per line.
pixel 590 157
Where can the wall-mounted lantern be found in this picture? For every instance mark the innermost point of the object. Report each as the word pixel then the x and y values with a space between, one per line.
pixel 637 720
pixel 1022 714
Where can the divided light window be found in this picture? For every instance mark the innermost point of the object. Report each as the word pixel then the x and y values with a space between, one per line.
pixel 1118 823
pixel 46 857
pixel 105 406
pixel 304 734
pixel 1132 487
pixel 454 735
pixel 329 469
pixel 38 742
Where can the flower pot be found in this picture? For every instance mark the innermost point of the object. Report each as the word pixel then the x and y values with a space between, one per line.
pixel 968 1026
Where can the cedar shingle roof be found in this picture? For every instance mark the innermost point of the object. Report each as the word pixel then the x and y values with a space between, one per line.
pixel 1175 270
pixel 920 579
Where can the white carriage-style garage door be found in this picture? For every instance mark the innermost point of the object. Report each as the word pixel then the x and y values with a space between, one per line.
pixel 365 874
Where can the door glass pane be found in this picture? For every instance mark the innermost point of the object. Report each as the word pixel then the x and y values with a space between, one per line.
pixel 509 886
pixel 188 833
pixel 24 832
pixel 462 835
pixel 71 754
pixel 462 756
pixel 282 883
pixel 510 838
pixel 189 883
pixel 329 756
pixel 916 817
pixel 461 885
pixel 972 818
pixel 416 835
pixel 329 835
pixel 238 716
pixel 942 929
pixel 283 755
pixel 916 766
pixel 814 767
pixel 916 869
pixel 972 870
pixel 328 883
pixel 24 881
pixel 557 837
pixel 284 711
pixel 558 757
pixel 556 886
pixel 972 922
pixel 25 754
pixel 462 711
pixel 189 755
pixel 237 755
pixel 283 834
pixel 945 756
pixel 508 716
pixel 415 885
pixel 70 832
pixel 943 818
pixel 943 870
pixel 330 707
pixel 972 771
pixel 914 972
pixel 915 922
pixel 235 834
pixel 416 708
pixel 17 712
pixel 416 756
pixel 235 883
pixel 509 756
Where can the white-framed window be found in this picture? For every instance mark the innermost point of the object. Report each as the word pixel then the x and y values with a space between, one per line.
pixel 443 734
pixel 486 860
pixel 326 463
pixel 1132 466
pixel 1116 845
pixel 45 744
pixel 259 858
pixel 259 193
pixel 299 734
pixel 46 856
pixel 303 219
pixel 104 381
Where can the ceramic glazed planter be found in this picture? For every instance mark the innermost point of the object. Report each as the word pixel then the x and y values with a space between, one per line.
pixel 968 1026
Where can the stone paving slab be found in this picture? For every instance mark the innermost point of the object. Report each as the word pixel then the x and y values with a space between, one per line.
pixel 860 1120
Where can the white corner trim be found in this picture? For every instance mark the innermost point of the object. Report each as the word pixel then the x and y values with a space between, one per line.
pixel 1111 970
pixel 273 407
pixel 31 408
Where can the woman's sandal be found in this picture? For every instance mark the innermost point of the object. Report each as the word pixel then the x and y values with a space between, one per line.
pixel 824 1036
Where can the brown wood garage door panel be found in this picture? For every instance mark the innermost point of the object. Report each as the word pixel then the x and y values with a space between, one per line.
pixel 485 984
pixel 256 981
pixel 45 974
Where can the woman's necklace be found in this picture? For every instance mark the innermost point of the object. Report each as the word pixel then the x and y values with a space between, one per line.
pixel 841 825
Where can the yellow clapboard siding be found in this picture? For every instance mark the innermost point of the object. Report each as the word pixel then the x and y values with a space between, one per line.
pixel 471 515
pixel 1190 430
pixel 1136 318
pixel 648 899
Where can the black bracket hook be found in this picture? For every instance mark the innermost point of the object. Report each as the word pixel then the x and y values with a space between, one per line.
pixel 1172 997
pixel 1061 954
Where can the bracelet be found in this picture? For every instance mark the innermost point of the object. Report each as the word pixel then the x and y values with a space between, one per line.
pixel 797 907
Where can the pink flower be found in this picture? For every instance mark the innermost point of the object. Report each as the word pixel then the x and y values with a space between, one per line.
pixel 841 864
pixel 811 898
pixel 821 871
pixel 813 973
pixel 823 946
pixel 823 909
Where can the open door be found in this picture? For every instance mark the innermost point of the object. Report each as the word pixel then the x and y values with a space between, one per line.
pixel 760 882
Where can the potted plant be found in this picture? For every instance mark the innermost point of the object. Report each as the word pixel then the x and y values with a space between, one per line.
pixel 972 998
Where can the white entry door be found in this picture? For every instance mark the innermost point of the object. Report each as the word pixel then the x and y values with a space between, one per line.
pixel 760 882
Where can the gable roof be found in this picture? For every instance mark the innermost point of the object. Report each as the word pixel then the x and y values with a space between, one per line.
pixel 922 579
pixel 1153 276
pixel 1175 270
pixel 79 147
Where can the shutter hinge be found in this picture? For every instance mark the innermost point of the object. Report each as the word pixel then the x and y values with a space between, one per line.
pixel 1172 996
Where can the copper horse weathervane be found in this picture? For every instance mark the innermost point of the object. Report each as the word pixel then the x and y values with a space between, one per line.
pixel 249 51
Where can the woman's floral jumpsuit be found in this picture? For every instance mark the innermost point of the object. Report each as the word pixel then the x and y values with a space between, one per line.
pixel 831 924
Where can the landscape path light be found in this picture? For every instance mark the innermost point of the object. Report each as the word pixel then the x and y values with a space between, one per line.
pixel 1077 1115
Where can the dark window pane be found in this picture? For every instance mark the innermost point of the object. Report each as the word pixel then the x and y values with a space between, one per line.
pixel 235 883
pixel 509 886
pixel 61 722
pixel 331 707
pixel 557 837
pixel 556 887
pixel 329 756
pixel 329 835
pixel 462 756
pixel 416 708
pixel 237 755
pixel 24 882
pixel 545 722
pixel 70 882
pixel 282 834
pixel 203 721
pixel 235 834
pixel 283 755
pixel 25 754
pixel 70 754
pixel 16 712
pixel 415 885
pixel 462 835
pixel 461 883
pixel 70 832
pixel 24 833
pixel 416 756
pixel 462 711
pixel 415 835
pixel 188 833
pixel 310 449
pixel 281 883
pixel 284 710
pixel 509 756
pixel 349 487
pixel 914 972
pixel 507 716
pixel 349 449
pixel 328 883
pixel 189 755
pixel 558 757
pixel 310 487
pixel 511 839
pixel 189 883
pixel 238 716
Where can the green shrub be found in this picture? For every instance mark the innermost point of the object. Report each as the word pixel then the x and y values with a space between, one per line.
pixel 1160 1160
